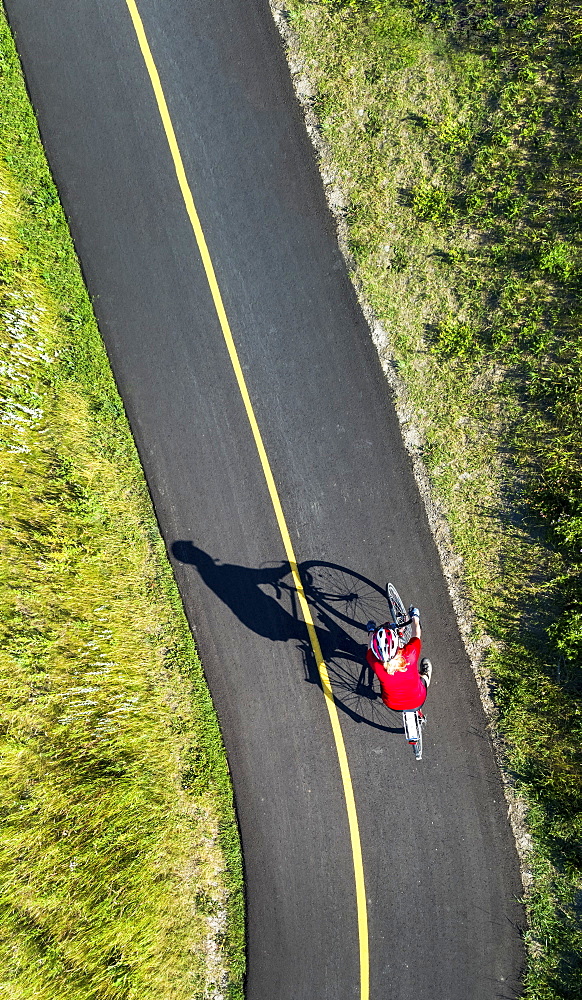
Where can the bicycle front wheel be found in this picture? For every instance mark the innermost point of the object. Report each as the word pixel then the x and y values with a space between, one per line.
pixel 398 612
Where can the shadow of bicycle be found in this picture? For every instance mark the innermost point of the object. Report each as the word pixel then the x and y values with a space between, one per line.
pixel 265 600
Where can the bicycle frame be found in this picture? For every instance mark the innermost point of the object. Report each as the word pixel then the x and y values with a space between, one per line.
pixel 414 719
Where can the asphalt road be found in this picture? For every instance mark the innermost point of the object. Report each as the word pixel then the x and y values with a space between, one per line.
pixel 440 864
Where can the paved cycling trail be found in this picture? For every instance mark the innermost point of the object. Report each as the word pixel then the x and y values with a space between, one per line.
pixel 439 863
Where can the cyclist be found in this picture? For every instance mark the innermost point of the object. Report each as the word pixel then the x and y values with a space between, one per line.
pixel 404 685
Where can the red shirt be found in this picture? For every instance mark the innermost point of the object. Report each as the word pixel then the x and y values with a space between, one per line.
pixel 404 689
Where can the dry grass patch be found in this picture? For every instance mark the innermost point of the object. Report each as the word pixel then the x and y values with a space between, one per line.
pixel 449 137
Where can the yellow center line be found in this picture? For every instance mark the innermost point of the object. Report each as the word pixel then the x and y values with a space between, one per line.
pixel 273 493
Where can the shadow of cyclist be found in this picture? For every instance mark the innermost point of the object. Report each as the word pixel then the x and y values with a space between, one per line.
pixel 241 589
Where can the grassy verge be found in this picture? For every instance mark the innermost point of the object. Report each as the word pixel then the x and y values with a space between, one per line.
pixel 454 133
pixel 120 859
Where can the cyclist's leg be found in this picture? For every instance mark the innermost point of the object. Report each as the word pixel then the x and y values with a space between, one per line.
pixel 425 671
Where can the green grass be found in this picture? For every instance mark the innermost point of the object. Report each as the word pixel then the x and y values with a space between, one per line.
pixel 455 134
pixel 119 851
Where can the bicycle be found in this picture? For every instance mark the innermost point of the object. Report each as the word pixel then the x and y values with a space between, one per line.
pixel 414 719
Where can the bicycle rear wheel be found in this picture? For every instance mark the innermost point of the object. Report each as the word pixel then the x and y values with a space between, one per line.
pixel 413 722
pixel 398 612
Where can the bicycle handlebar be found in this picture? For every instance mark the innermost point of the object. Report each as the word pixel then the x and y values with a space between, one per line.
pixel 405 624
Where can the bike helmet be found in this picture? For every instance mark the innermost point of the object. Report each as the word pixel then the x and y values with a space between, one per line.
pixel 384 644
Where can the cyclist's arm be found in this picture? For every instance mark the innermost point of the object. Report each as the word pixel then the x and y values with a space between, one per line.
pixel 416 629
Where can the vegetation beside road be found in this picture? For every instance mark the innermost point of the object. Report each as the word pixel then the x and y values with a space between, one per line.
pixel 455 130
pixel 119 851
